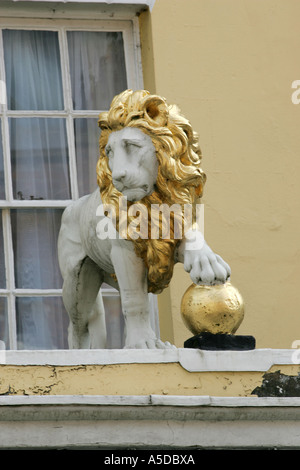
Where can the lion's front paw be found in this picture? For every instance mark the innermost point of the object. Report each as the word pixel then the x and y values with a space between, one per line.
pixel 205 267
pixel 150 344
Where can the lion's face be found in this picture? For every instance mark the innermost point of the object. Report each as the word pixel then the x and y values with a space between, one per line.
pixel 176 161
pixel 133 163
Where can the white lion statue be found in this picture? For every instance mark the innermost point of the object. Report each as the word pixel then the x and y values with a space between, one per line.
pixel 149 157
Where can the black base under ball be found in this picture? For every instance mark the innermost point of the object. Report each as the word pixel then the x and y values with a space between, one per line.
pixel 220 342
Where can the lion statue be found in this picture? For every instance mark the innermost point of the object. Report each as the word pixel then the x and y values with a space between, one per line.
pixel 149 158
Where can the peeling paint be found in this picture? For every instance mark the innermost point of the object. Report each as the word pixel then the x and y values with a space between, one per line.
pixel 124 379
pixel 277 384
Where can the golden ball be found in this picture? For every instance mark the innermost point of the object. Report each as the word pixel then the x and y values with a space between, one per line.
pixel 212 309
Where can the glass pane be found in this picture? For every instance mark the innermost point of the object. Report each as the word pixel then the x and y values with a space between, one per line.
pixel 39 158
pixel 97 68
pixel 3 324
pixel 2 188
pixel 42 323
pixel 2 262
pixel 35 234
pixel 33 73
pixel 87 135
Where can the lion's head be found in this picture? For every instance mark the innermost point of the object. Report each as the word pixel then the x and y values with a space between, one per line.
pixel 180 179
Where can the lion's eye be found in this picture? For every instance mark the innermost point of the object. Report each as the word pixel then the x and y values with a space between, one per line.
pixel 108 151
pixel 129 145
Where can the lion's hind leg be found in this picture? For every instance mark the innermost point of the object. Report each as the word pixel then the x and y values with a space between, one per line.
pixel 84 305
pixel 97 325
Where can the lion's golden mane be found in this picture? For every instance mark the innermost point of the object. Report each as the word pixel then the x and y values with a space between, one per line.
pixel 180 179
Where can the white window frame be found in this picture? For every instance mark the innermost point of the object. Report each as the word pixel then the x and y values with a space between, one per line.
pixel 130 31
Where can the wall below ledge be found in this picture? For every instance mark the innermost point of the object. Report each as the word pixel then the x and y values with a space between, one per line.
pixel 148 422
pixel 179 372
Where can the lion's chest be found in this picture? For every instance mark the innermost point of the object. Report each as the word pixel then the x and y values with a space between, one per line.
pixel 96 245
pixel 97 248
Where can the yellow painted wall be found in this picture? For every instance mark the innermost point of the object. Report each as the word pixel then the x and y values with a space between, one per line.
pixel 229 65
pixel 129 379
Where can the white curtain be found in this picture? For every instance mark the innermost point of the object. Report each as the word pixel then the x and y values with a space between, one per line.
pixel 3 301
pixel 39 158
pixel 41 321
pixel 4 339
pixel 2 265
pixel 3 304
pixel 97 67
pixel 2 188
pixel 33 72
pixel 87 135
pixel 40 165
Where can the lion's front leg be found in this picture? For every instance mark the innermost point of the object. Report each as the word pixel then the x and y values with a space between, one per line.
pixel 205 266
pixel 132 279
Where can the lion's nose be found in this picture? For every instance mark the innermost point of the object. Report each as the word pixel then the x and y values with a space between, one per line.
pixel 119 174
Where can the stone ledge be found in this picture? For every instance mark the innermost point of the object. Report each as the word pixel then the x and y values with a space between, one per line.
pixel 192 360
pixel 149 400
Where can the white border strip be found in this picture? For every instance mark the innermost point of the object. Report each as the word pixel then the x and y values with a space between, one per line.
pixel 193 360
pixel 139 3
pixel 149 3
pixel 149 400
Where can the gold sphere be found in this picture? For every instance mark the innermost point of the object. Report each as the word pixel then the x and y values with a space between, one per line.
pixel 212 309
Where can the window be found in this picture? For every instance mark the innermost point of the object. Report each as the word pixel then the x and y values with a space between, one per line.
pixel 59 75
